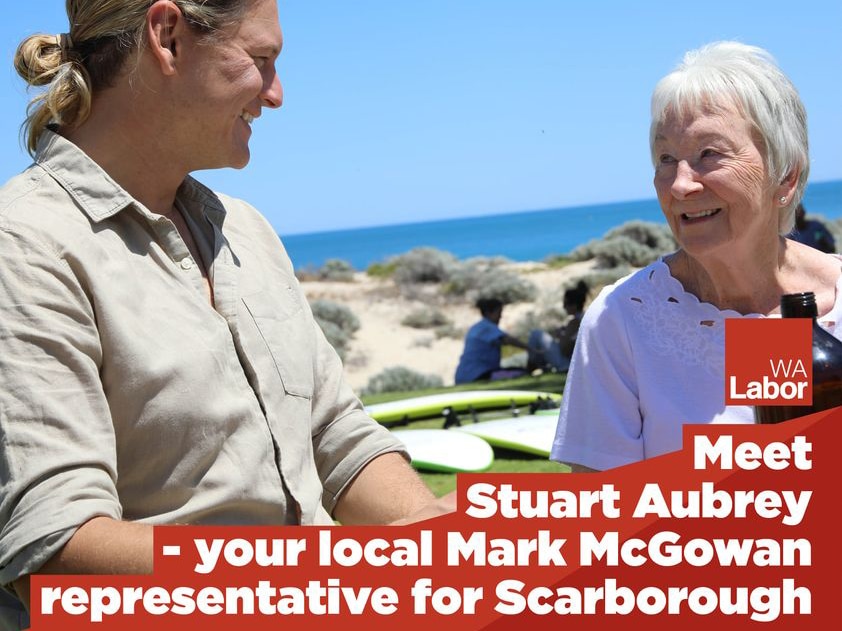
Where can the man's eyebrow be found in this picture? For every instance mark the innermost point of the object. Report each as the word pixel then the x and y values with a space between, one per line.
pixel 267 50
pixel 265 45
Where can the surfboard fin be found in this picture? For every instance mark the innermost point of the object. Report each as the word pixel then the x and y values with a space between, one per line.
pixel 451 418
pixel 543 403
pixel 474 416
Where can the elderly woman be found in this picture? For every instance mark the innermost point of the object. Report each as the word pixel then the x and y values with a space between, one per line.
pixel 729 145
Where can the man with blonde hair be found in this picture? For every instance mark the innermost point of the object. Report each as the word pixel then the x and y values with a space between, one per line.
pixel 159 361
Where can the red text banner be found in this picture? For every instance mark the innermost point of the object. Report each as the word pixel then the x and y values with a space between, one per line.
pixel 736 531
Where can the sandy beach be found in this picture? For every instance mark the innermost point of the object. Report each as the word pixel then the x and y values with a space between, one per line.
pixel 383 342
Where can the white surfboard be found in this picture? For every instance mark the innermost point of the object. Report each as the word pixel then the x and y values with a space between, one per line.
pixel 443 450
pixel 459 401
pixel 532 434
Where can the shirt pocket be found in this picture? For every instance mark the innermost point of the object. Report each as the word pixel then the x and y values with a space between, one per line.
pixel 287 330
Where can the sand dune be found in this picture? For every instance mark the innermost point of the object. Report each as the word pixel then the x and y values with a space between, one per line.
pixel 383 342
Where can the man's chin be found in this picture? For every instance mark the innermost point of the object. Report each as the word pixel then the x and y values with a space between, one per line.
pixel 238 162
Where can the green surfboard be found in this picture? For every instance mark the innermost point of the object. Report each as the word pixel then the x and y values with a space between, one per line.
pixel 532 434
pixel 433 405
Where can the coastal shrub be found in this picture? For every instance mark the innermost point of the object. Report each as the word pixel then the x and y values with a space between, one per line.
pixel 307 273
pixel 423 341
pixel 449 330
pixel 599 278
pixel 337 322
pixel 424 265
pixel 382 269
pixel 332 270
pixel 336 337
pixel 337 313
pixel 336 270
pixel 401 379
pixel 619 250
pixel 485 277
pixel 506 287
pixel 635 243
pixel 656 236
pixel 466 274
pixel 425 318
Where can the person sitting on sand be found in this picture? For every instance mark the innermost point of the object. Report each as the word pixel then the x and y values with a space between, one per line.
pixel 552 350
pixel 481 357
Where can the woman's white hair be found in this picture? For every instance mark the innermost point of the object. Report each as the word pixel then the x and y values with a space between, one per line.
pixel 727 74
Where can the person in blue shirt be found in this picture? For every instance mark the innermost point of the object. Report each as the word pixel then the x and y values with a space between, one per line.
pixel 812 232
pixel 481 357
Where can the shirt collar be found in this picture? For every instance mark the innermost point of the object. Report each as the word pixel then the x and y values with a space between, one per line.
pixel 97 194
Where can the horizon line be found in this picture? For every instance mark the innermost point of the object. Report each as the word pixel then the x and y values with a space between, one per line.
pixel 525 211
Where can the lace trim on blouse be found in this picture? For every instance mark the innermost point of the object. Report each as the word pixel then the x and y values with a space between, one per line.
pixel 676 324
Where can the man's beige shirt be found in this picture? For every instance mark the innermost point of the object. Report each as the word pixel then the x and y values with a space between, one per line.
pixel 124 393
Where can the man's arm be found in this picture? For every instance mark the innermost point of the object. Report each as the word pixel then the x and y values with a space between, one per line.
pixel 57 455
pixel 389 491
pixel 566 336
pixel 100 546
pixel 508 340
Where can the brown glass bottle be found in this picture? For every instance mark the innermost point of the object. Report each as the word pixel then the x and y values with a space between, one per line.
pixel 827 365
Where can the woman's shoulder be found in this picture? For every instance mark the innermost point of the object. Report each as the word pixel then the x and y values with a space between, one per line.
pixel 834 281
pixel 821 273
pixel 644 284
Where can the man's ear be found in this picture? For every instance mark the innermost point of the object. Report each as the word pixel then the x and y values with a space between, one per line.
pixel 165 29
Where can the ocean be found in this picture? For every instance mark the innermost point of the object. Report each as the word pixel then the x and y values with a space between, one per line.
pixel 520 236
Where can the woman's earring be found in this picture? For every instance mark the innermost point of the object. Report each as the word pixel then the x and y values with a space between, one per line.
pixel 782 200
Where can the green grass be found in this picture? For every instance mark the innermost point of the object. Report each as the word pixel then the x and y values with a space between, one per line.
pixel 505 461
pixel 550 382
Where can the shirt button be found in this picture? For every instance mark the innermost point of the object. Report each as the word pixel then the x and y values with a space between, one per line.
pixel 186 263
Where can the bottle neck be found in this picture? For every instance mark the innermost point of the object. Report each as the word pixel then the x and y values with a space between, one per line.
pixel 801 305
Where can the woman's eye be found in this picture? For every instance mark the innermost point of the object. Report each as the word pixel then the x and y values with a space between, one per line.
pixel 665 159
pixel 709 153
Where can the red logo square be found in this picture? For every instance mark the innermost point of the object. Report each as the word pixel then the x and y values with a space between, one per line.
pixel 768 361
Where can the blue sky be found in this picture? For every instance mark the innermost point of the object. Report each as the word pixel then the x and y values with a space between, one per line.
pixel 398 111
